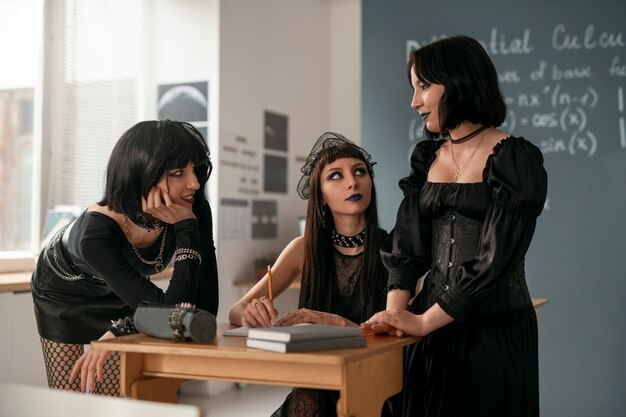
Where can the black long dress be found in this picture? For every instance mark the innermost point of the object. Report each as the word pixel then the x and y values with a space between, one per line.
pixel 78 290
pixel 471 239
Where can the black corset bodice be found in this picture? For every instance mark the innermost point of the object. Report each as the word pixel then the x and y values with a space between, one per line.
pixel 455 238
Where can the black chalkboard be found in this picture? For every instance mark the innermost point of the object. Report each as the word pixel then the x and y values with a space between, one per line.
pixel 562 67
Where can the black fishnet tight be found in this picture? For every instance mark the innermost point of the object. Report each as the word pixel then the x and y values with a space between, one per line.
pixel 60 358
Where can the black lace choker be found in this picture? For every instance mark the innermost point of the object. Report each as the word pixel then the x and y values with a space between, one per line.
pixel 145 221
pixel 468 136
pixel 348 241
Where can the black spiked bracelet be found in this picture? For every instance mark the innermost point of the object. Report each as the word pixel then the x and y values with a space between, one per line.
pixel 122 327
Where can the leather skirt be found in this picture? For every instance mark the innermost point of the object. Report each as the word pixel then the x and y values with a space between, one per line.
pixel 71 306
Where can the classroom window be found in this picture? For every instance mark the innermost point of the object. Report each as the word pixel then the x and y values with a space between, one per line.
pixel 16 168
pixel 21 28
pixel 105 92
pixel 65 98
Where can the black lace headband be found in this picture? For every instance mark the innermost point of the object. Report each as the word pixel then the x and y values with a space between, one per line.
pixel 327 141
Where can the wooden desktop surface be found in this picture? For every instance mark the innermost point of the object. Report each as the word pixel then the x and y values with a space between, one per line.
pixel 152 369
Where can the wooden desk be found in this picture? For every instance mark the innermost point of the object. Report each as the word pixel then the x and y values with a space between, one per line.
pixel 538 302
pixel 15 281
pixel 152 369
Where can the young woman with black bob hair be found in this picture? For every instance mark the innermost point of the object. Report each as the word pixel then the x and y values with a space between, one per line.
pixel 94 271
pixel 467 219
pixel 337 259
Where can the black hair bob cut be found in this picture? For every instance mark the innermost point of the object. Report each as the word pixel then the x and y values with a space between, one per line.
pixel 144 154
pixel 471 89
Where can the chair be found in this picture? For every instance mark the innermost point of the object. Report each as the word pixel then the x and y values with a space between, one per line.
pixel 30 401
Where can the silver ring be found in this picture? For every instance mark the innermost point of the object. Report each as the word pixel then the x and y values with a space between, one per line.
pixel 256 303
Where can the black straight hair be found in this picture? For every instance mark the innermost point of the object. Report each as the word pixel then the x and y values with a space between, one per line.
pixel 471 89
pixel 144 154
pixel 318 272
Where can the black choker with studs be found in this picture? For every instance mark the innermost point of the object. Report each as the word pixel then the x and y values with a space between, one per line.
pixel 145 221
pixel 348 241
pixel 468 136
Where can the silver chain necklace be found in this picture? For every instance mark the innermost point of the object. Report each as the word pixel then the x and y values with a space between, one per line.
pixel 158 262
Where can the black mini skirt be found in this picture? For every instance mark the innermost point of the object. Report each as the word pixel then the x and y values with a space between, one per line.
pixel 71 306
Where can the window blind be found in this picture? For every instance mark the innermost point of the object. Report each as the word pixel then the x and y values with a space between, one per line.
pixel 105 89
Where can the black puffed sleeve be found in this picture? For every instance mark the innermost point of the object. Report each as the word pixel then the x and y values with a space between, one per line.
pixel 518 181
pixel 406 251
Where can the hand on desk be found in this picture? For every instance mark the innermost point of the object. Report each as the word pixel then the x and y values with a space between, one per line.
pixel 391 322
pixel 91 366
pixel 400 322
pixel 259 312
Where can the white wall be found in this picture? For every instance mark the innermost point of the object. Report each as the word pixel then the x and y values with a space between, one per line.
pixel 300 59
pixel 186 49
pixel 345 68
pixel 21 358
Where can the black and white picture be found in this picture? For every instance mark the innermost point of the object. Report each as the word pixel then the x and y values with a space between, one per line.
pixel 186 102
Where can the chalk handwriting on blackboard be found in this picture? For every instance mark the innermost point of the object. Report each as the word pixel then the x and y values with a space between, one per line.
pixel 555 98
pixel 617 69
pixel 562 39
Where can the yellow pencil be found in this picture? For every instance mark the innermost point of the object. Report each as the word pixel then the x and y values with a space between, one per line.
pixel 269 279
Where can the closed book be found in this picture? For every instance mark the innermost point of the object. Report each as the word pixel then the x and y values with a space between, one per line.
pixel 300 332
pixel 308 345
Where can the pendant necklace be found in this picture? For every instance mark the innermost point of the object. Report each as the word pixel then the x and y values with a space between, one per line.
pixel 457 170
pixel 158 262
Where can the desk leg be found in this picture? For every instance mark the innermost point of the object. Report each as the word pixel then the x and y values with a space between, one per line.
pixel 156 389
pixel 367 384
pixel 135 385
pixel 130 371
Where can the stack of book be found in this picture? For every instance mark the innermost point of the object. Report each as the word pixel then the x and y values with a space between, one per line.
pixel 305 337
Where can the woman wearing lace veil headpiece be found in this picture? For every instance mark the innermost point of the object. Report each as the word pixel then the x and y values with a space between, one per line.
pixel 342 277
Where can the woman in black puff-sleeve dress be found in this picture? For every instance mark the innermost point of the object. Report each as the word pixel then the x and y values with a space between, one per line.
pixel 94 272
pixel 468 216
